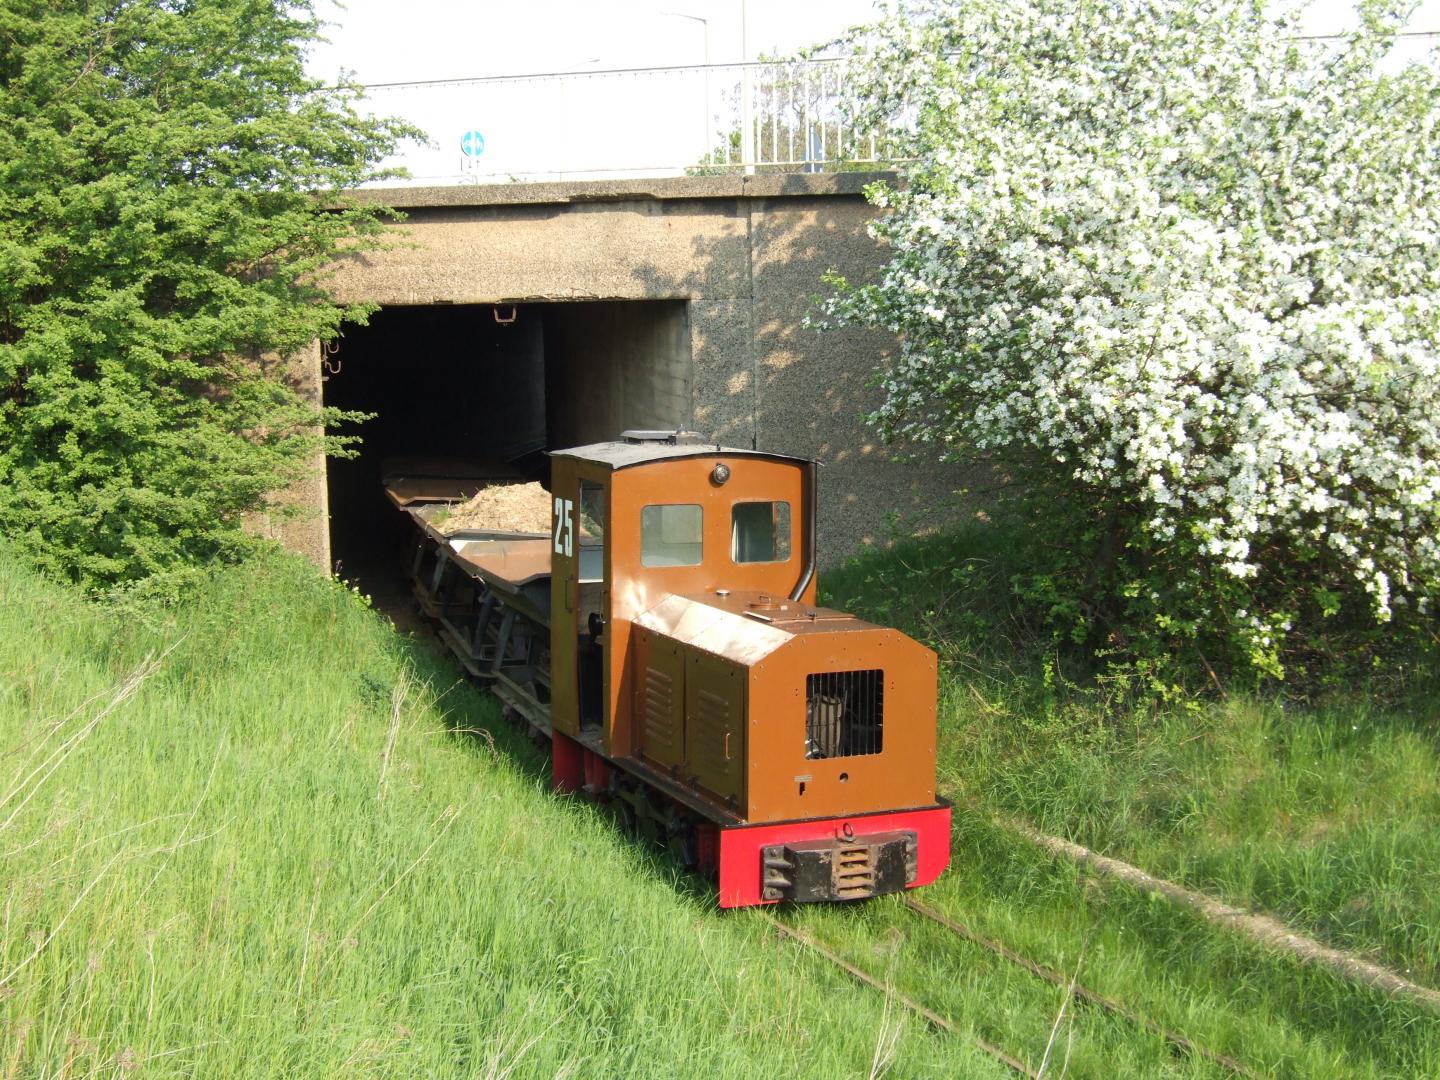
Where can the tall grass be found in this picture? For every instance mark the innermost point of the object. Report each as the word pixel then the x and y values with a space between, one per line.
pixel 266 836
pixel 263 835
pixel 1326 814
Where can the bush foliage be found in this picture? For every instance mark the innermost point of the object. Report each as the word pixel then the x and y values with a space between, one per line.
pixel 161 249
pixel 1176 272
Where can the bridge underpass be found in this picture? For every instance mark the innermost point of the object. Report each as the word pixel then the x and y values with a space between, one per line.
pixel 542 315
pixel 489 388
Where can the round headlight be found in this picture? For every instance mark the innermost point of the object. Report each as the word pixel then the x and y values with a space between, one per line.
pixel 720 474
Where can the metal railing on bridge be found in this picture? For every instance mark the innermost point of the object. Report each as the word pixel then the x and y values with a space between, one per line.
pixel 710 119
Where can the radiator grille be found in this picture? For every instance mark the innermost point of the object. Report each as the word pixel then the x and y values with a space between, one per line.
pixel 844 713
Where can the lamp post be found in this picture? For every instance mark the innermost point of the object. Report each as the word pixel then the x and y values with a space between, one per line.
pixel 705 26
pixel 562 92
pixel 747 93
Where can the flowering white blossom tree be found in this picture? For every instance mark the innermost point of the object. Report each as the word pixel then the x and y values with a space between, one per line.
pixel 1180 270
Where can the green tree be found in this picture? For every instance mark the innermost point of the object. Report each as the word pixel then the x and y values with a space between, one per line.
pixel 169 179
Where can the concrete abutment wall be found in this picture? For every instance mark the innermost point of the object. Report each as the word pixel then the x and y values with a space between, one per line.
pixel 612 365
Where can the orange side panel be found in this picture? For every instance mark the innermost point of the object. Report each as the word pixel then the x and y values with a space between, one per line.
pixel 715 725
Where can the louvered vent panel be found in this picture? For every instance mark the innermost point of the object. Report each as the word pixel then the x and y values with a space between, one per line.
pixel 659 707
pixel 712 723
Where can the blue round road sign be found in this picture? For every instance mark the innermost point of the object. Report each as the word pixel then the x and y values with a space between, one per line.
pixel 472 144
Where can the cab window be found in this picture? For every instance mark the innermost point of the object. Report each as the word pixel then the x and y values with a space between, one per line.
pixel 592 532
pixel 671 535
pixel 760 532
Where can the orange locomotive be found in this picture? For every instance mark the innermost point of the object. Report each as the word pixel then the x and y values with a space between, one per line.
pixel 664 638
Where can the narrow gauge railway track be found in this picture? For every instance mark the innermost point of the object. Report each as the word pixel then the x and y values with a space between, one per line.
pixel 931 1017
pixel 998 949
pixel 632 823
pixel 695 684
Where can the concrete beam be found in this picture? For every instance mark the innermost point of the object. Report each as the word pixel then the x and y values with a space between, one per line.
pixel 569 192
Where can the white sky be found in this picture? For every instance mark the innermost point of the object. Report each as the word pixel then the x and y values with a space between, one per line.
pixel 382 41
pixel 543 126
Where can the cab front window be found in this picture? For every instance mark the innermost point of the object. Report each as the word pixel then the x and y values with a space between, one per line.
pixel 671 535
pixel 760 532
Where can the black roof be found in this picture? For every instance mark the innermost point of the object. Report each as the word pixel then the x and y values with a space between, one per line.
pixel 625 453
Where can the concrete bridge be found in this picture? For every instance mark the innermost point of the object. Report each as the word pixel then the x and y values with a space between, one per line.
pixel 544 315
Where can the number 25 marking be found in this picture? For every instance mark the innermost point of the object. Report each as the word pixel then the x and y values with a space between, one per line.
pixel 565 527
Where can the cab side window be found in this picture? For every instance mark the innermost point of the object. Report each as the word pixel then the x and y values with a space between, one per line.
pixel 592 531
pixel 671 535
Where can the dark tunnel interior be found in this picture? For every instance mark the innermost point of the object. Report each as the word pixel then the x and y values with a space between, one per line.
pixel 487 389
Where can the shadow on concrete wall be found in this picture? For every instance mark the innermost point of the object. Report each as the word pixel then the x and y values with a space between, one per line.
pixel 747 256
pixel 761 372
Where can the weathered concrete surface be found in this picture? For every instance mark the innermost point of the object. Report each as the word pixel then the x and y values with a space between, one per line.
pixel 813 388
pixel 563 192
pixel 301 513
pixel 745 253
pixel 629 365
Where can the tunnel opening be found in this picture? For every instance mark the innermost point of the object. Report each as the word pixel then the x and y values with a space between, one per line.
pixel 476 394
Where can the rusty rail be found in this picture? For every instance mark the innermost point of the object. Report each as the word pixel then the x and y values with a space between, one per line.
pixel 931 1017
pixel 1080 993
pixel 1004 952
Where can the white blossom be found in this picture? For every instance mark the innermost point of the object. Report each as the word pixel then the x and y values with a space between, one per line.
pixel 1180 253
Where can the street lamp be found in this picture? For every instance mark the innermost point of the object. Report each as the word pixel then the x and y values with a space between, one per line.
pixel 695 18
pixel 705 26
pixel 747 93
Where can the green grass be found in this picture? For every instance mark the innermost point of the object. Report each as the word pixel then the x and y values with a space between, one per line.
pixel 229 877
pixel 236 872
pixel 1327 816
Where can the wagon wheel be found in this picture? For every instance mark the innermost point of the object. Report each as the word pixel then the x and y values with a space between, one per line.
pixel 684 848
pixel 680 839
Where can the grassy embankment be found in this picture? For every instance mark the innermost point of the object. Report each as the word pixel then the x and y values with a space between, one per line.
pixel 1327 816
pixel 246 868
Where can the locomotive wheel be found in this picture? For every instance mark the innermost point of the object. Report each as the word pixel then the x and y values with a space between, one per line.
pixel 647 815
pixel 681 840
pixel 657 818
